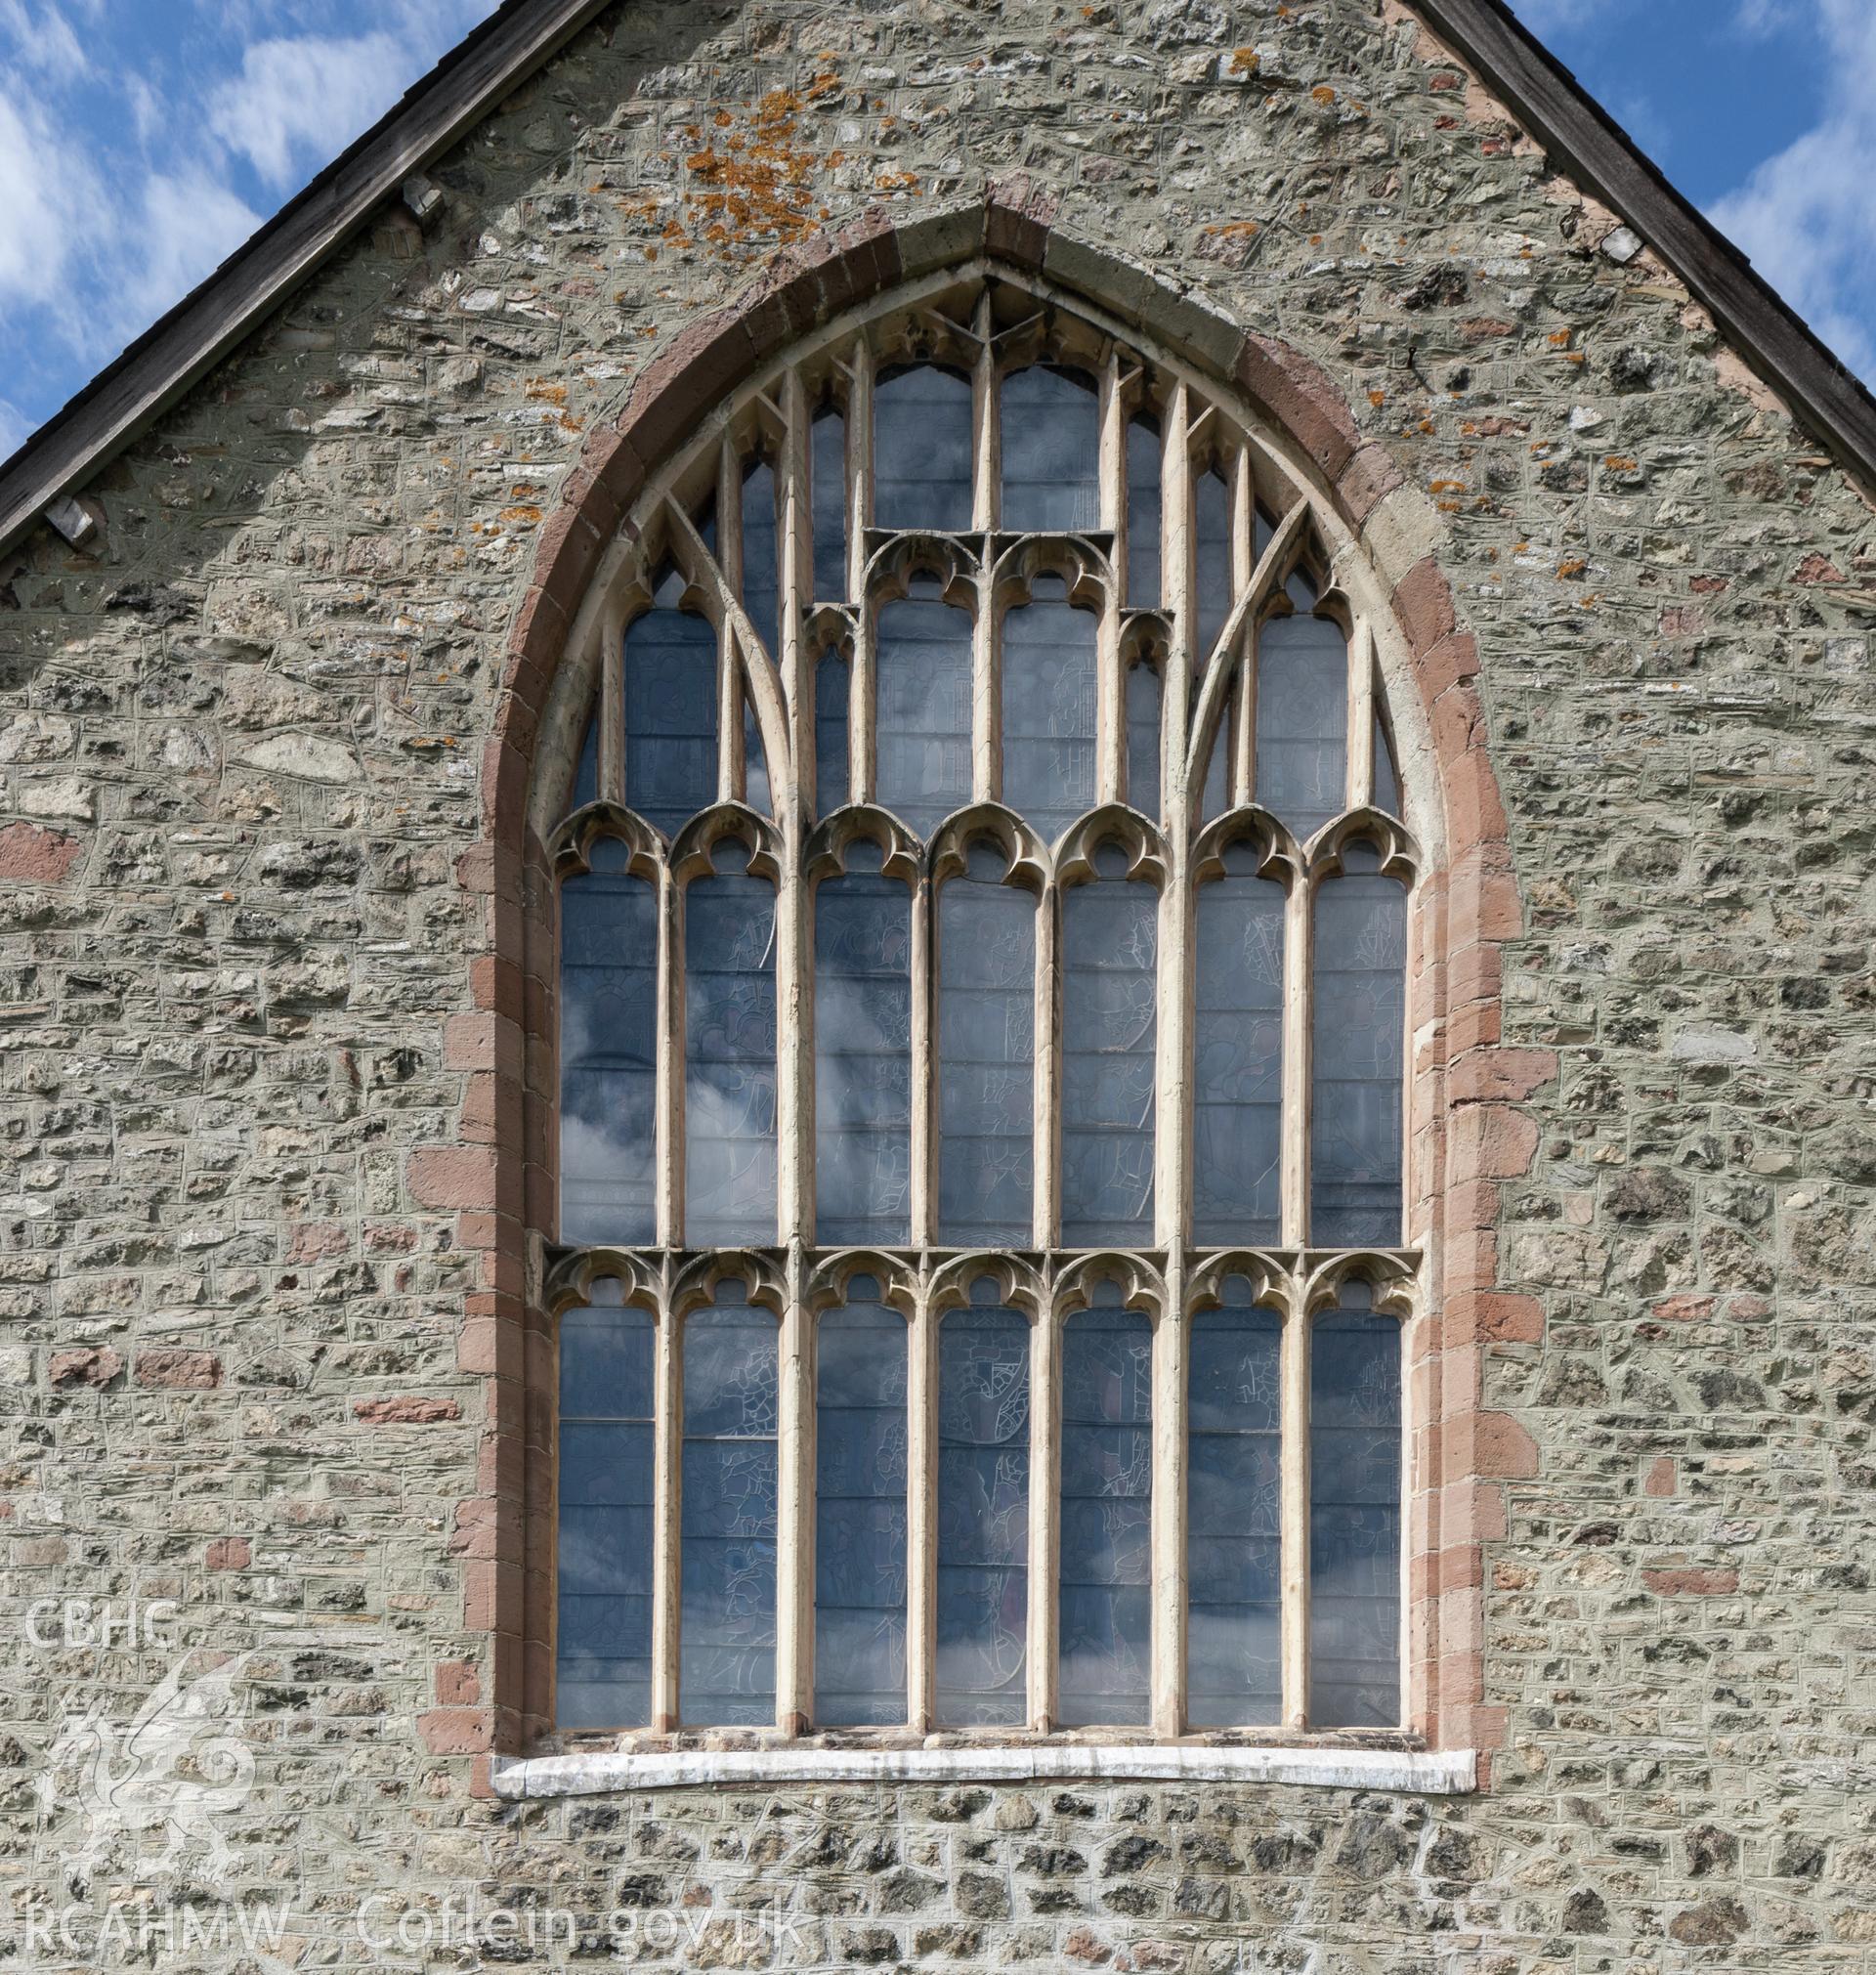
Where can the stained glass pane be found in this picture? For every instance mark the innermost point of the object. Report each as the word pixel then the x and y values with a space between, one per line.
pixel 921 434
pixel 863 1054
pixel 859 1509
pixel 983 1516
pixel 1110 940
pixel 755 764
pixel 603 1641
pixel 586 775
pixel 1355 1098
pixel 1354 1518
pixel 924 709
pixel 1215 799
pixel 728 1081
pixel 1212 529
pixel 987 1058
pixel 1049 710
pixel 671 715
pixel 1143 515
pixel 827 480
pixel 1386 781
pixel 761 567
pixel 1237 1176
pixel 1234 1656
pixel 728 1518
pixel 830 687
pixel 1052 437
pixel 1105 1619
pixel 1144 739
pixel 608 1051
pixel 1302 721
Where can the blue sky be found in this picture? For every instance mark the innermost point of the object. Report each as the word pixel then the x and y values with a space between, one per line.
pixel 140 140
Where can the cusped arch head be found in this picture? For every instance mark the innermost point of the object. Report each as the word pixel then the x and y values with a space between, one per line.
pixel 693 853
pixel 830 1285
pixel 1271 1284
pixel 571 848
pixel 571 1280
pixel 1020 1285
pixel 1140 1283
pixel 834 837
pixel 696 1284
pixel 1391 841
pixel 1278 854
pixel 1113 825
pixel 1389 1280
pixel 1025 859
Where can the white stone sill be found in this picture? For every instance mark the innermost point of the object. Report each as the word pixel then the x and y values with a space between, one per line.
pixel 1414 1772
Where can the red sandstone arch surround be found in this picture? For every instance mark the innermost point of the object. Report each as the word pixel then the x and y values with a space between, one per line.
pixel 1468 1135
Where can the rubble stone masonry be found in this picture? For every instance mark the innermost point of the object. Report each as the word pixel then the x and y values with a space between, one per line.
pixel 260 1023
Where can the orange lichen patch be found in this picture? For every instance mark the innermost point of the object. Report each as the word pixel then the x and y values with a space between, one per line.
pixel 1233 230
pixel 1617 464
pixel 1245 62
pixel 1559 339
pixel 1323 94
pixel 753 184
pixel 895 181
pixel 545 391
pixel 1574 567
pixel 1377 398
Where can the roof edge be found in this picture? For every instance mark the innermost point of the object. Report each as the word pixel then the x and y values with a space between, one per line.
pixel 1585 141
pixel 183 345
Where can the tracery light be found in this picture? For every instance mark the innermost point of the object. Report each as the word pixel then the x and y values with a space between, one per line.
pixel 982 1063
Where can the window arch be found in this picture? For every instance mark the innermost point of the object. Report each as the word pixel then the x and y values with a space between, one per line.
pixel 1028 988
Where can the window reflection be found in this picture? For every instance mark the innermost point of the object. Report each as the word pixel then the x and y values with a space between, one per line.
pixel 1051 435
pixel 983 1513
pixel 831 685
pixel 670 712
pixel 762 565
pixel 827 482
pixel 921 450
pixel 1104 1628
pixel 924 672
pixel 1049 662
pixel 1143 465
pixel 863 1054
pixel 728 1081
pixel 728 1517
pixel 1354 1515
pixel 603 1637
pixel 1302 721
pixel 1110 943
pixel 859 1509
pixel 608 1051
pixel 1143 697
pixel 1233 1540
pixel 1359 989
pixel 1238 1088
pixel 986 1055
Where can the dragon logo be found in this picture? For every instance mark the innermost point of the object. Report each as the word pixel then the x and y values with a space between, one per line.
pixel 179 1765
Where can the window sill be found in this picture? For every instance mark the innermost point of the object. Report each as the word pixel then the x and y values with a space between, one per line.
pixel 1415 1772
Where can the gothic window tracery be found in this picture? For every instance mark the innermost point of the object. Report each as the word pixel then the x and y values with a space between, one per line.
pixel 982 1067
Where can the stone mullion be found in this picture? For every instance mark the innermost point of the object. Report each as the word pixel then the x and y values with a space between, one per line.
pixel 862 747
pixel 1045 1496
pixel 668 1482
pixel 922 1515
pixel 987 462
pixel 1110 721
pixel 794 1107
pixel 1360 794
pixel 1294 1512
pixel 668 1083
pixel 729 685
pixel 611 712
pixel 1045 1202
pixel 1173 1069
pixel 1242 716
pixel 922 1218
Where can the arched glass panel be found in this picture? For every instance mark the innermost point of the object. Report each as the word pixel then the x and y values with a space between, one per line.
pixel 1360 996
pixel 756 763
pixel 728 1517
pixel 1104 1617
pixel 1238 1088
pixel 762 565
pixel 1354 1515
pixel 1215 799
pixel 729 1055
pixel 986 1057
pixel 1233 1538
pixel 602 1638
pixel 863 1054
pixel 670 712
pixel 1212 533
pixel 1051 442
pixel 1143 465
pixel 1049 708
pixel 1386 780
pixel 982 1515
pixel 827 484
pixel 925 707
pixel 859 1509
pixel 586 775
pixel 921 450
pixel 608 1051
pixel 1110 944
pixel 1303 720
pixel 831 685
pixel 1143 697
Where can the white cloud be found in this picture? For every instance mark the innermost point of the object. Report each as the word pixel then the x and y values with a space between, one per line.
pixel 1808 216
pixel 13 427
pixel 36 218
pixel 42 43
pixel 1555 17
pixel 187 226
pixel 306 95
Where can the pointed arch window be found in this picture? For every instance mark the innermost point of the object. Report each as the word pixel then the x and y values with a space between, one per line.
pixel 982 1263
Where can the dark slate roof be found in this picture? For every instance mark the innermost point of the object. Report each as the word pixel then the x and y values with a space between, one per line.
pixel 1578 135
